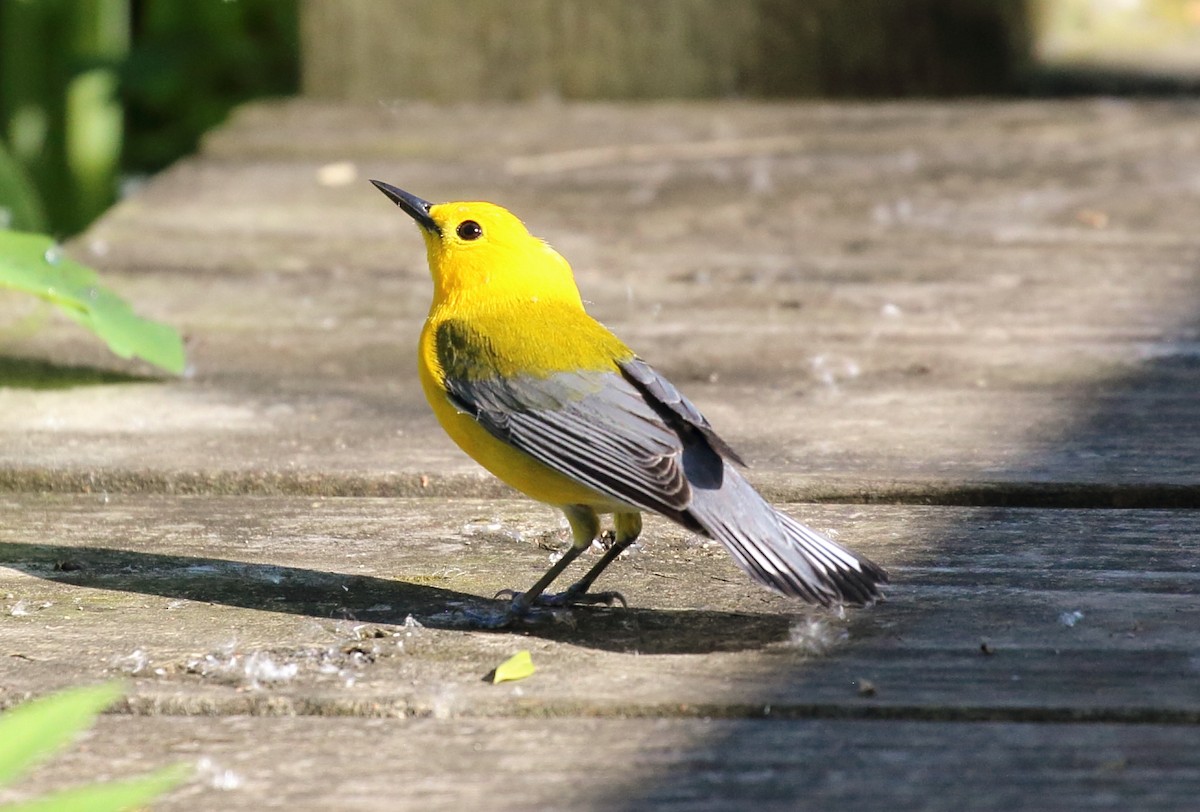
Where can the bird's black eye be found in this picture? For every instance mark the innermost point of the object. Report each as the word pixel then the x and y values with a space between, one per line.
pixel 469 230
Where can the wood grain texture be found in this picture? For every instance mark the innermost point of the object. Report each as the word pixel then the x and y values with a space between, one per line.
pixel 994 614
pixel 972 304
pixel 956 303
pixel 675 764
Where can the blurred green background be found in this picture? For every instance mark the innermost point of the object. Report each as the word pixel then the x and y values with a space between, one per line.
pixel 95 94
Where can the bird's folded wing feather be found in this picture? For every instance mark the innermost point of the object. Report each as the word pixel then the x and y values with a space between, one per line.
pixel 675 409
pixel 627 434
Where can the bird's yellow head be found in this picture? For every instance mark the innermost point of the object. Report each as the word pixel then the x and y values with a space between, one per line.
pixel 481 252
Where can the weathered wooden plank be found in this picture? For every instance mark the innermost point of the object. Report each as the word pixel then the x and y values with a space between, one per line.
pixel 950 302
pixel 995 614
pixel 305 763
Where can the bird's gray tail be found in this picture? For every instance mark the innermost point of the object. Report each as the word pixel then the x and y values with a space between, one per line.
pixel 779 552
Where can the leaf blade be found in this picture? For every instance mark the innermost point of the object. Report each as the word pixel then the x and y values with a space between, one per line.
pixel 33 264
pixel 31 732
pixel 111 796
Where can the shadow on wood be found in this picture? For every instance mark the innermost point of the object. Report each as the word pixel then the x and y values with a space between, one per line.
pixel 30 373
pixel 321 594
pixel 1110 564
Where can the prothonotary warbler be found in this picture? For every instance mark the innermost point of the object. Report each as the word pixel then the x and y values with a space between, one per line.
pixel 547 399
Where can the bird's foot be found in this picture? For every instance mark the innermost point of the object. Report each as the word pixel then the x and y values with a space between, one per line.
pixel 523 612
pixel 556 606
pixel 570 596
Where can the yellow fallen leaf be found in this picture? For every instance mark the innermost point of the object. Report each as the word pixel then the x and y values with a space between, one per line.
pixel 518 666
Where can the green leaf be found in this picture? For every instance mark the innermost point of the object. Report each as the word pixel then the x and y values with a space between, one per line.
pixel 34 264
pixel 31 732
pixel 113 796
pixel 518 666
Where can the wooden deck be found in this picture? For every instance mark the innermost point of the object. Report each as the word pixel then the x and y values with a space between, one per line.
pixel 964 336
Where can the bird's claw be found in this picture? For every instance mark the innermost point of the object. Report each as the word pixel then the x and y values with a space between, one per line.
pixel 572 598
pixel 557 605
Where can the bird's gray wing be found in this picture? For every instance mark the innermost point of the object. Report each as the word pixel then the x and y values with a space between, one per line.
pixel 593 427
pixel 626 433
pixel 673 407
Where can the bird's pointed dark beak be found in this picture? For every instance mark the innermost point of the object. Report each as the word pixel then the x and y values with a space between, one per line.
pixel 413 206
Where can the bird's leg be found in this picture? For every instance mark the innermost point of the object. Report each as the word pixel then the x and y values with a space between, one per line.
pixel 585 526
pixel 628 528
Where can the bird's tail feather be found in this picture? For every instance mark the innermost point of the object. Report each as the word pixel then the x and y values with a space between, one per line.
pixel 780 552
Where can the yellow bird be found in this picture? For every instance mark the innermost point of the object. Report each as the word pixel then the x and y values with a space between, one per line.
pixel 551 402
